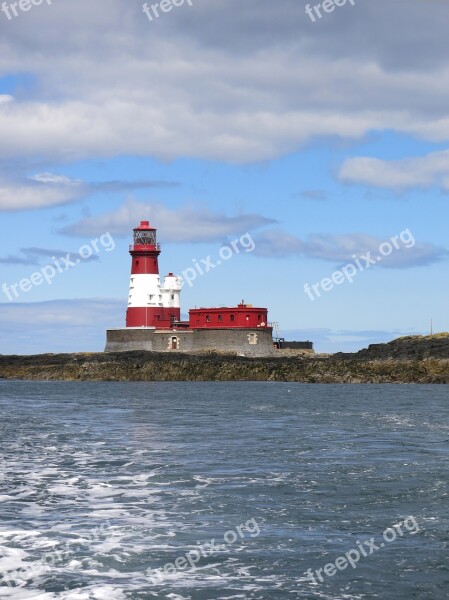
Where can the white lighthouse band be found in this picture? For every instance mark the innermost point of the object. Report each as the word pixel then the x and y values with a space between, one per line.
pixel 146 291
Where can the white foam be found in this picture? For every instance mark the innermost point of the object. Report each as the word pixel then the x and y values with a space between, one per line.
pixel 12 559
pixel 6 498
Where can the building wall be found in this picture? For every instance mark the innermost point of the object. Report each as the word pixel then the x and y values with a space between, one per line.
pixel 123 340
pixel 238 316
pixel 160 317
pixel 144 290
pixel 171 292
pixel 297 345
pixel 162 341
pixel 250 342
pixel 144 262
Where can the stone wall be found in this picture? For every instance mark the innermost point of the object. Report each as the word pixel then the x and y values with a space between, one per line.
pixel 123 340
pixel 248 342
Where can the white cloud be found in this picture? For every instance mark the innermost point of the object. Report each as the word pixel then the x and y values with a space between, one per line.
pixel 39 191
pixel 166 129
pixel 423 171
pixel 223 80
pixel 188 224
pixel 58 325
pixel 276 243
pixel 48 189
pixel 52 178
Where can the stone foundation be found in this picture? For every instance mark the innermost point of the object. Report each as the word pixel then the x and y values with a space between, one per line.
pixel 244 342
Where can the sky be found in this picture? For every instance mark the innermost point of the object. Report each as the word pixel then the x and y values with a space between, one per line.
pixel 314 150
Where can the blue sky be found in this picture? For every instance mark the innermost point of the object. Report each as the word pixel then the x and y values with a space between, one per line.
pixel 320 159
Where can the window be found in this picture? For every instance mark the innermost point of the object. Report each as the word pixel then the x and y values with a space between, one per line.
pixel 172 296
pixel 207 318
pixel 145 237
pixel 220 318
pixel 259 318
pixel 232 318
pixel 252 338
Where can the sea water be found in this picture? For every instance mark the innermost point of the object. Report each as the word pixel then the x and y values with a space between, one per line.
pixel 226 491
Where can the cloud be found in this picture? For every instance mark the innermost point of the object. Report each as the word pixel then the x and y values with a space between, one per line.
pixel 35 193
pixel 318 195
pixel 277 243
pixel 128 127
pixel 48 189
pixel 423 171
pixel 56 179
pixel 223 80
pixel 37 256
pixel 127 186
pixel 188 224
pixel 58 325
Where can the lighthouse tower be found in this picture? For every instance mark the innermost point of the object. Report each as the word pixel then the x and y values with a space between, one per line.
pixel 150 304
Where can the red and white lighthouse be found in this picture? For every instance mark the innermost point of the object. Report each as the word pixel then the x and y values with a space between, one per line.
pixel 153 317
pixel 150 304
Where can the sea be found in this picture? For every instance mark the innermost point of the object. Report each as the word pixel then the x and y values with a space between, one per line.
pixel 223 491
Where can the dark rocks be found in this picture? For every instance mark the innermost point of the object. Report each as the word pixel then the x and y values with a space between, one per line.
pixel 412 347
pixel 406 360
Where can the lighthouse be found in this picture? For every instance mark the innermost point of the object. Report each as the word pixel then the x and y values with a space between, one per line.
pixel 150 304
pixel 153 316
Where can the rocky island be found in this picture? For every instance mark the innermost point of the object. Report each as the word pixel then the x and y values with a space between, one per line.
pixel 413 359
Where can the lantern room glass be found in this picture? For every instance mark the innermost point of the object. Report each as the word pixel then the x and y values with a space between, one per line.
pixel 145 237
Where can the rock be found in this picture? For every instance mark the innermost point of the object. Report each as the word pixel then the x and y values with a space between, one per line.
pixel 412 359
pixel 410 347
